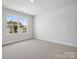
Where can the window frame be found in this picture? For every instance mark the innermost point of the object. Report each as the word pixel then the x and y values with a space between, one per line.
pixel 18 30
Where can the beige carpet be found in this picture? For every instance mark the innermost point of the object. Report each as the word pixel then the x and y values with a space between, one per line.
pixel 38 49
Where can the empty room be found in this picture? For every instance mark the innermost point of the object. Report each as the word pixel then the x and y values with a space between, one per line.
pixel 39 29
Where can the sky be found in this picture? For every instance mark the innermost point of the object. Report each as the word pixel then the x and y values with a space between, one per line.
pixel 22 19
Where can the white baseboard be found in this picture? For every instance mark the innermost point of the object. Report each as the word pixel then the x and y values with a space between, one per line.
pixel 8 43
pixel 64 43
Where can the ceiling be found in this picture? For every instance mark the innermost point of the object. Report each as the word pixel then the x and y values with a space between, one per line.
pixel 36 7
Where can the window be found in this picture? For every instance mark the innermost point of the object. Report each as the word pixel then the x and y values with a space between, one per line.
pixel 16 24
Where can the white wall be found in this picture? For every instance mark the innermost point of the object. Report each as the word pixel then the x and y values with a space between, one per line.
pixel 8 38
pixel 58 25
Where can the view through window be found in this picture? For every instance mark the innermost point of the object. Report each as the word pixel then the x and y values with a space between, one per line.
pixel 16 24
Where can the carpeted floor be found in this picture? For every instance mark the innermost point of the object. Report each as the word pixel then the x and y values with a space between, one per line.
pixel 38 49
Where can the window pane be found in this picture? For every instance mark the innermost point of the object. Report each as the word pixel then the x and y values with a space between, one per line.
pixel 23 22
pixel 12 23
